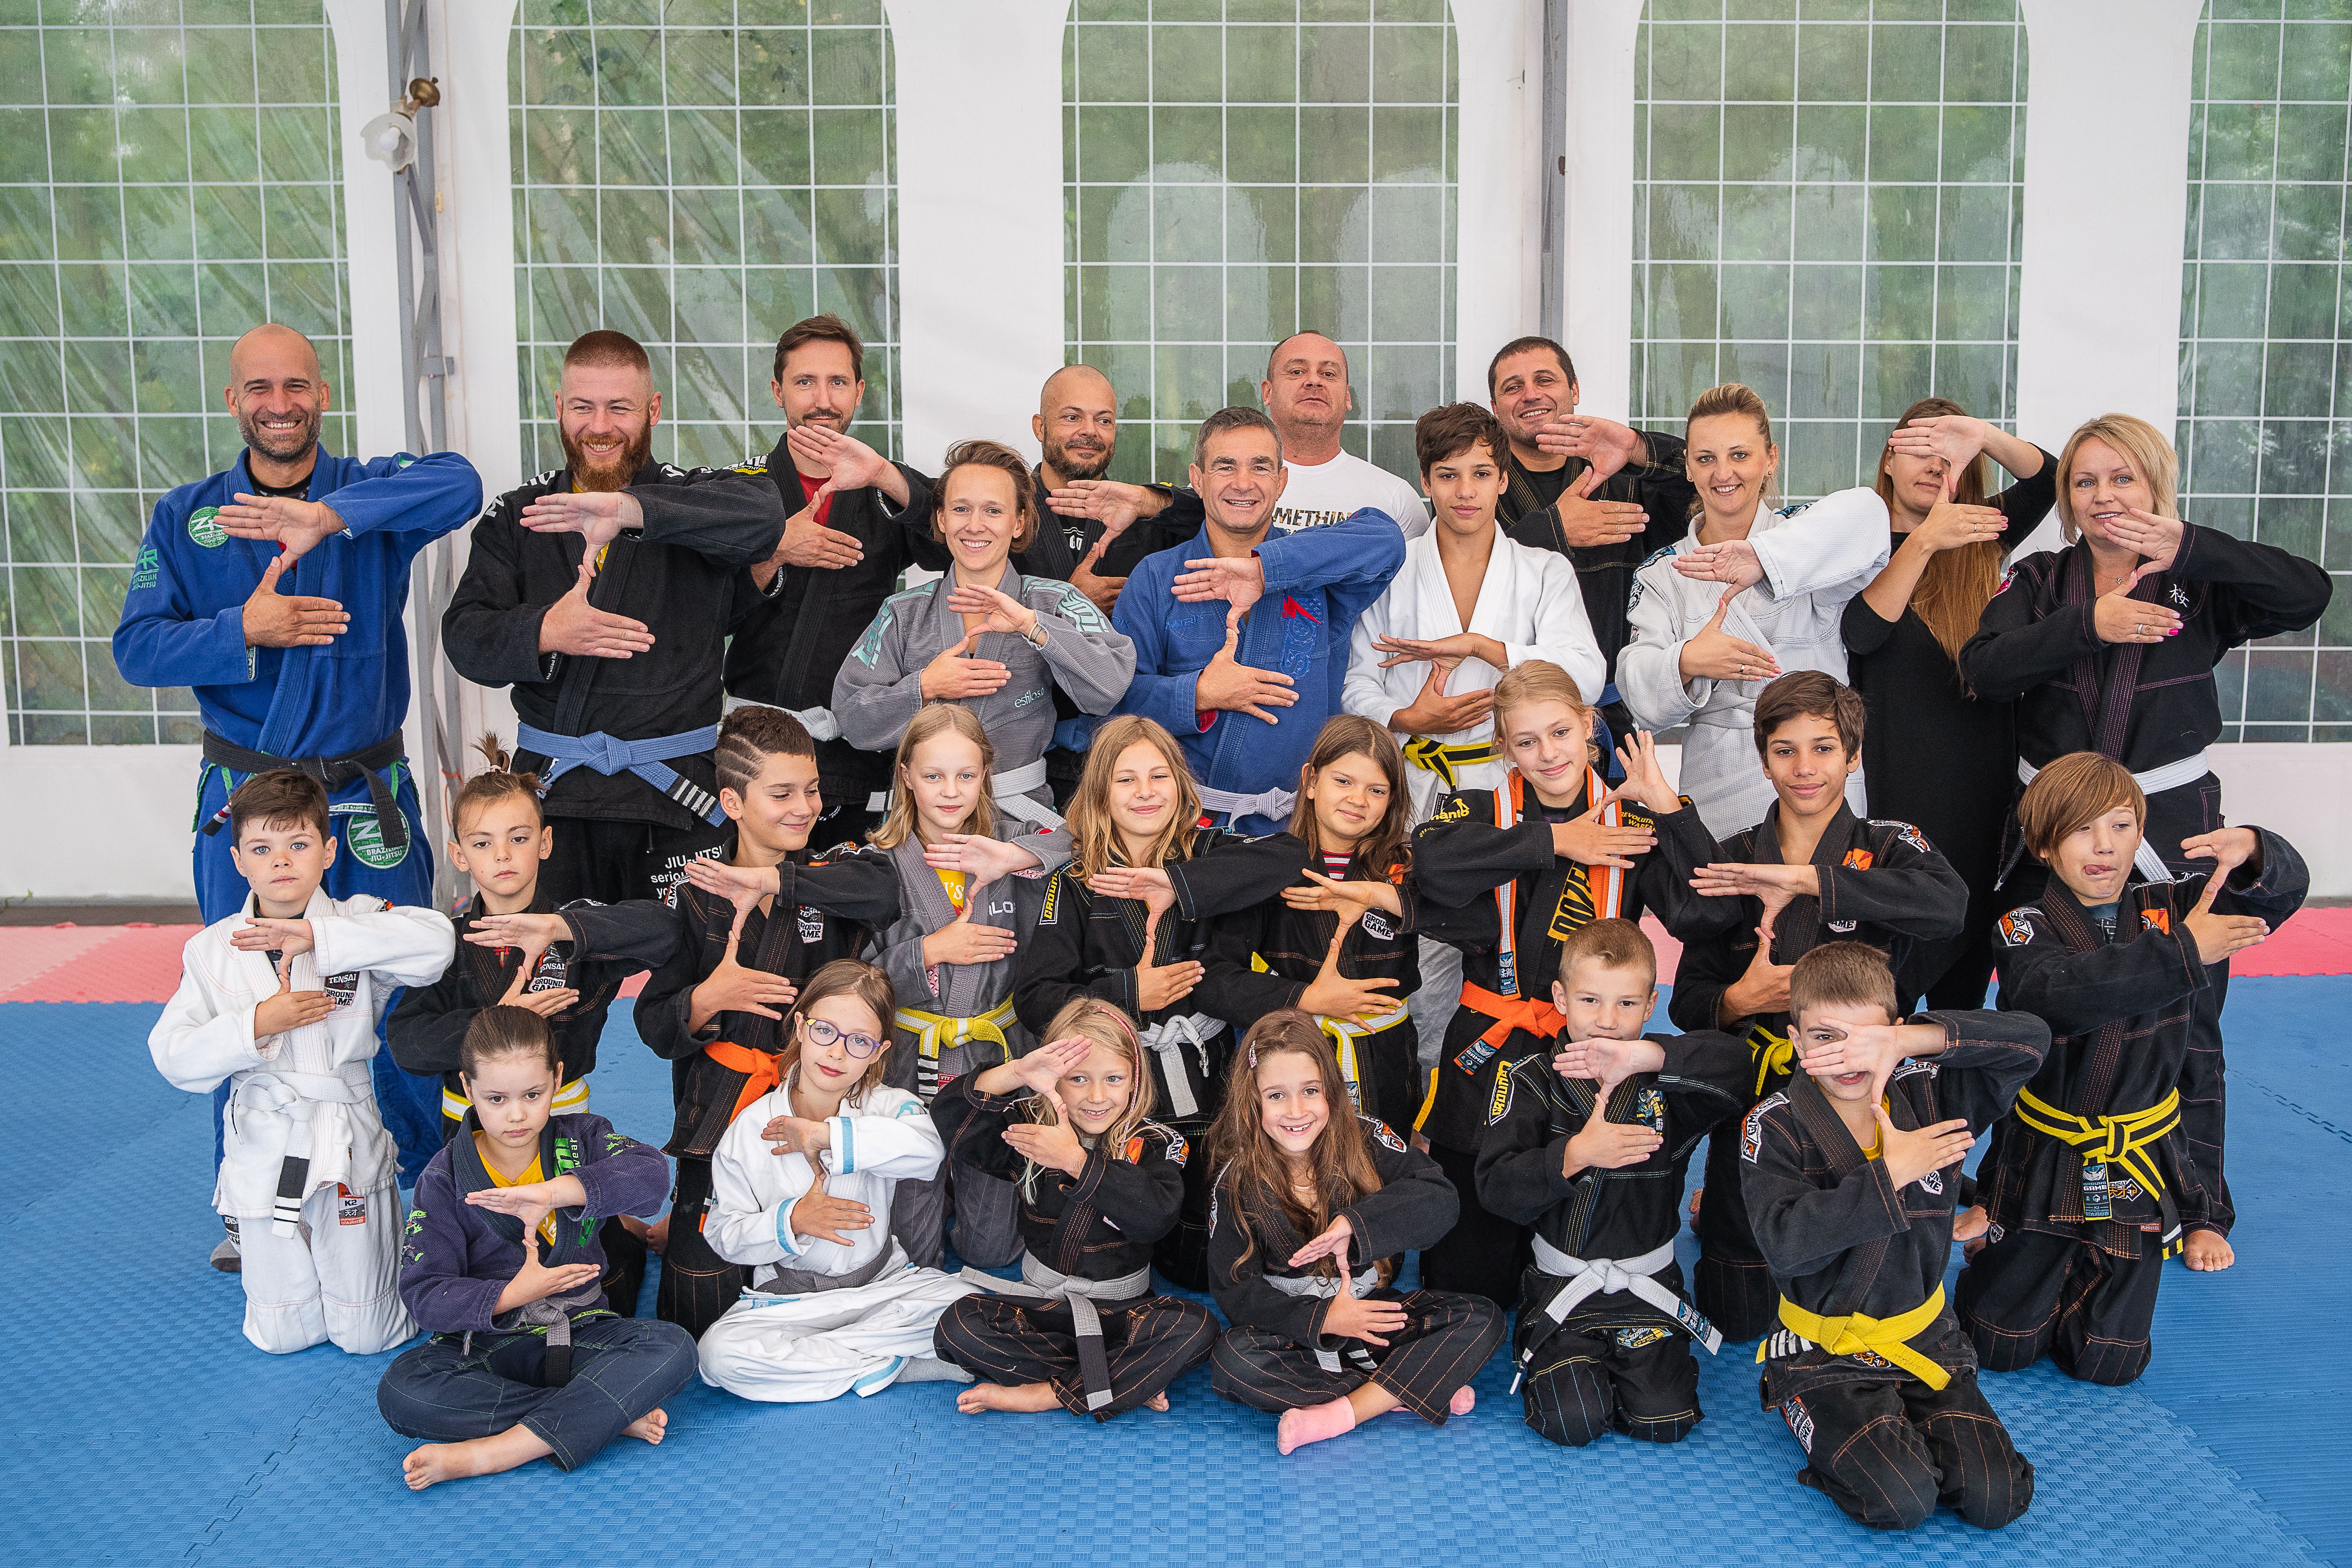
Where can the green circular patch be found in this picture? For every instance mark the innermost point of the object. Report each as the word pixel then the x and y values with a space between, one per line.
pixel 363 837
pixel 204 527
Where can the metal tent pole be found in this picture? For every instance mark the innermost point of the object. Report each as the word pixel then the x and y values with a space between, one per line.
pixel 1553 312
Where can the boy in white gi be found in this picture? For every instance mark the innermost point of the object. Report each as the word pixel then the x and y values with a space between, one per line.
pixel 283 1000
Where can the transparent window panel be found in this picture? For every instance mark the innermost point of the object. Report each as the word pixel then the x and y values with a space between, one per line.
pixel 2265 423
pixel 169 178
pixel 701 176
pixel 1240 170
pixel 1824 207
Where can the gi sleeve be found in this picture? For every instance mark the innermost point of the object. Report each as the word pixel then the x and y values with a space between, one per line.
pixel 1231 987
pixel 743 1225
pixel 163 639
pixel 666 1002
pixel 1708 967
pixel 860 887
pixel 428 1025
pixel 1458 861
pixel 1414 1208
pixel 433 1285
pixel 423 497
pixel 1236 873
pixel 734 519
pixel 1908 887
pixel 2026 502
pixel 2259 590
pixel 899 953
pixel 972 1126
pixel 1365 690
pixel 622 1175
pixel 642 933
pixel 1158 691
pixel 1661 880
pixel 1092 664
pixel 874 695
pixel 2078 992
pixel 1831 549
pixel 2274 893
pixel 200 1039
pixel 2016 647
pixel 1353 561
pixel 1649 667
pixel 1705 1079
pixel 490 635
pixel 1987 1057
pixel 406 943
pixel 899 1143
pixel 1520 1157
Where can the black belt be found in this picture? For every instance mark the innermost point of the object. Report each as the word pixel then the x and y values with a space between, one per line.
pixel 333 772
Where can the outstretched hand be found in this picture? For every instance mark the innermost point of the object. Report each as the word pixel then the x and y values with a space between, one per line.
pixel 599 516
pixel 1715 654
pixel 295 526
pixel 1333 996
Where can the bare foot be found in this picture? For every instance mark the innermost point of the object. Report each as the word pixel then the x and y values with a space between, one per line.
pixel 1027 1397
pixel 2208 1252
pixel 1464 1397
pixel 515 1447
pixel 1157 1401
pixel 648 1427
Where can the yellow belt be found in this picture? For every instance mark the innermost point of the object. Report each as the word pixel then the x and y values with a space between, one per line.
pixel 569 1100
pixel 936 1032
pixel 1887 1337
pixel 1772 1053
pixel 1443 760
pixel 2121 1139
pixel 1345 1032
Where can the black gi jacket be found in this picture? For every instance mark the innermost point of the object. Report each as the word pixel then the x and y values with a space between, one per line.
pixel 702 527
pixel 1413 1208
pixel 1460 861
pixel 609 942
pixel 2144 704
pixel 1624 1212
pixel 1294 942
pixel 2121 1012
pixel 823 912
pixel 1087 946
pixel 1605 572
pixel 1837 1236
pixel 1100 1224
pixel 1175 523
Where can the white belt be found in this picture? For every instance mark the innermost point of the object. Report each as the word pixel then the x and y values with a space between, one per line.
pixel 1170 1038
pixel 818 722
pixel 1274 804
pixel 1011 792
pixel 1041 1283
pixel 2155 781
pixel 1327 1286
pixel 1603 1276
pixel 295 1095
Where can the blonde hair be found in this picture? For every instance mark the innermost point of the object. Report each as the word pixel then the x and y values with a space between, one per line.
pixel 1094 835
pixel 1733 397
pixel 2143 445
pixel 1106 1025
pixel 1541 680
pixel 899 825
pixel 1956 584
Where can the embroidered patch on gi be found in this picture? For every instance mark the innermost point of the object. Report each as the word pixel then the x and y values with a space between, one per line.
pixel 1134 1153
pixel 1455 809
pixel 869 646
pixel 1842 927
pixel 1633 1338
pixel 1871 1359
pixel 350 1207
pixel 1377 927
pixel 204 527
pixel 811 923
pixel 1177 1147
pixel 2178 596
pixel 1911 1066
pixel 1650 1106
pixel 2016 931
pixel 2156 920
pixel 1858 860
pixel 1933 1181
pixel 1800 1420
pixel 363 834
pixel 342 990
pixel 1912 835
pixel 1046 916
pixel 1502 1100
pixel 1993 1233
pixel 2006 579
pixel 1026 698
pixel 149 568
pixel 1381 1135
pixel 1751 1136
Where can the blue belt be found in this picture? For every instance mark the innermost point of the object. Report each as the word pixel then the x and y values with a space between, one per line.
pixel 644 758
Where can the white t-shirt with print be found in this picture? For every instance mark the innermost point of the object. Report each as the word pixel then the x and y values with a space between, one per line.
pixel 1319 493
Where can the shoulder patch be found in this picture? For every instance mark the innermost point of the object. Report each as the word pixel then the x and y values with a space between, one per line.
pixel 2156 921
pixel 1912 1066
pixel 2017 926
pixel 1178 1149
pixel 1381 1133
pixel 1658 554
pixel 1857 860
pixel 869 646
pixel 1751 1136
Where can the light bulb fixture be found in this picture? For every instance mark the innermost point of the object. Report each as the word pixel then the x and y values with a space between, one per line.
pixel 391 137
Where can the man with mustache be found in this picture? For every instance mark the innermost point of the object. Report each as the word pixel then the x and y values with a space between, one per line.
pixel 1606 497
pixel 858 521
pixel 1306 392
pixel 275 588
pixel 1108 525
pixel 600 592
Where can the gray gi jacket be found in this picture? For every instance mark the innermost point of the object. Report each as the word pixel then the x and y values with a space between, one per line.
pixel 879 689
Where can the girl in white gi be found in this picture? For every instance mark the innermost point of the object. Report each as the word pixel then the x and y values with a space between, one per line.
pixel 984 636
pixel 1749 595
pixel 797 1186
pixel 283 1000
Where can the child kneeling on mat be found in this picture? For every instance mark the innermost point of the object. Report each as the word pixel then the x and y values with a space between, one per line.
pixel 1302 1182
pixel 835 1306
pixel 502 1265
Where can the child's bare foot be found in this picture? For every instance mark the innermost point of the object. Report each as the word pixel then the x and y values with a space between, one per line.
pixel 1157 1401
pixel 515 1447
pixel 1026 1398
pixel 2208 1252
pixel 1463 1398
pixel 648 1427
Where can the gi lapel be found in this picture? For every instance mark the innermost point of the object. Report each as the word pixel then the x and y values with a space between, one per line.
pixel 1827 1129
pixel 2106 698
pixel 2074 928
pixel 573 1226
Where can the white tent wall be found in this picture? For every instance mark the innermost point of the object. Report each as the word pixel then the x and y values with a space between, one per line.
pixel 980 281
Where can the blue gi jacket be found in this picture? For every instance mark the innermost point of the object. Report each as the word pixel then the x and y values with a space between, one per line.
pixel 1318 581
pixel 182 620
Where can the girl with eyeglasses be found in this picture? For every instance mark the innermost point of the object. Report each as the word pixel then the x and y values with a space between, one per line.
pixel 801 1189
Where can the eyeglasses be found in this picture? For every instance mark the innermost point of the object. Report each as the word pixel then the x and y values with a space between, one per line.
pixel 821 1033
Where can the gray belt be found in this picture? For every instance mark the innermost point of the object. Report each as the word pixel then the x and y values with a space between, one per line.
pixel 1010 791
pixel 1044 1284
pixel 1274 804
pixel 1327 1286
pixel 1169 1037
pixel 783 1281
pixel 1603 1276
pixel 552 1313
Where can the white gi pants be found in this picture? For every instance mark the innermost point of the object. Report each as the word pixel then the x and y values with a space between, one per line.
pixel 826 1343
pixel 339 1282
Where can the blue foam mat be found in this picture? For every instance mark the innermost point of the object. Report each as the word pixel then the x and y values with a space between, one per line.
pixel 147 1430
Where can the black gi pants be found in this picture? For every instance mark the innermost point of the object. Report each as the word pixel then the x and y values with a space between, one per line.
pixel 2029 1295
pixel 1641 1380
pixel 1731 1284
pixel 1888 1453
pixel 698 1286
pixel 1484 1253
pixel 621 1369
pixel 1183 1255
pixel 612 862
pixel 1151 1344
pixel 1389 1063
pixel 1445 1340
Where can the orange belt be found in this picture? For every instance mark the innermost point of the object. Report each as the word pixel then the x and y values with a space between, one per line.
pixel 1533 1014
pixel 760 1067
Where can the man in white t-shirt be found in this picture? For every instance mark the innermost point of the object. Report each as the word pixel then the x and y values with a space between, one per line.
pixel 1306 392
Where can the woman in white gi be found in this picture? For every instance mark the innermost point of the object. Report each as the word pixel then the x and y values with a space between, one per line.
pixel 985 636
pixel 1749 595
pixel 800 1190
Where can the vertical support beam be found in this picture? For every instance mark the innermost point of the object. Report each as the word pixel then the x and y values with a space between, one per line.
pixel 379 309
pixel 1554 171
pixel 980 217
pixel 1598 287
pixel 1497 280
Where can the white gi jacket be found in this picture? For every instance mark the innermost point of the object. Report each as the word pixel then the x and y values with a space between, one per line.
pixel 1529 602
pixel 886 1137
pixel 308 1086
pixel 1815 558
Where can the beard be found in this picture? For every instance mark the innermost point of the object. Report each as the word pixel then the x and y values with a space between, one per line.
pixel 280 445
pixel 612 473
pixel 1073 464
